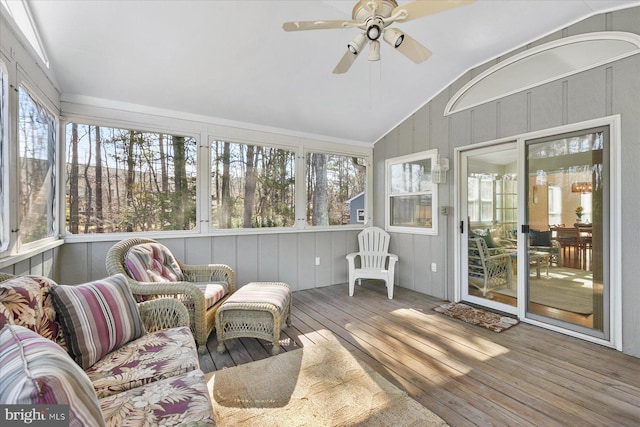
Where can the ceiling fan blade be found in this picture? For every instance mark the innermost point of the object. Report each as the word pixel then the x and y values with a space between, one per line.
pixel 317 25
pixel 413 50
pixel 418 9
pixel 345 63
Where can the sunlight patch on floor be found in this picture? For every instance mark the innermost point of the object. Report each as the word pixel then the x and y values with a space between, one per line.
pixel 477 347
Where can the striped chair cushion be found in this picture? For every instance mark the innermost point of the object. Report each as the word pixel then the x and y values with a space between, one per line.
pixel 37 371
pixel 152 262
pixel 97 317
pixel 213 292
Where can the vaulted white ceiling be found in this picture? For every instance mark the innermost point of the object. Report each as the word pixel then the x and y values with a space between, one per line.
pixel 231 62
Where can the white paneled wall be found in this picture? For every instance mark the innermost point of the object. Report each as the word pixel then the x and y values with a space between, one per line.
pixel 603 91
pixel 287 257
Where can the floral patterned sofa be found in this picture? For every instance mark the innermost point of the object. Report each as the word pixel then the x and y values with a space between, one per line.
pixel 115 362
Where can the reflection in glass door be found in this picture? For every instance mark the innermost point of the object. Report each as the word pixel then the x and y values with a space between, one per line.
pixel 489 252
pixel 567 208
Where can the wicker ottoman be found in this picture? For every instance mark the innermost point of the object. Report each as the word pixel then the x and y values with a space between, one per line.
pixel 256 310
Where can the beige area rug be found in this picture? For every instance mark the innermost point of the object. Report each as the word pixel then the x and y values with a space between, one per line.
pixel 477 316
pixel 321 385
pixel 565 289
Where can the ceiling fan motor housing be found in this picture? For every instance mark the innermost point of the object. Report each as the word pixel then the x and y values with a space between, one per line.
pixel 371 14
pixel 364 9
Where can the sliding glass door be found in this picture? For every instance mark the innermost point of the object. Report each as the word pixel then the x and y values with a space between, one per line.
pixel 535 229
pixel 489 206
pixel 567 209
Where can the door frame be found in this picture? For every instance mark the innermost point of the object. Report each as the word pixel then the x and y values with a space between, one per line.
pixel 509 144
pixel 614 228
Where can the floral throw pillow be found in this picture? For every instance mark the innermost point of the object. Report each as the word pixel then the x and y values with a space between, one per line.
pixel 26 301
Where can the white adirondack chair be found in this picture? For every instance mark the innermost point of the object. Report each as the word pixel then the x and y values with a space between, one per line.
pixel 374 253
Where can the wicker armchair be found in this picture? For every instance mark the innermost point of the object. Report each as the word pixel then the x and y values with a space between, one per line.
pixel 202 318
pixel 6 276
pixel 163 313
pixel 488 269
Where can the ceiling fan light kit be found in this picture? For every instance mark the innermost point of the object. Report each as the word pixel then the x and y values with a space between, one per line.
pixel 394 37
pixel 357 44
pixel 373 17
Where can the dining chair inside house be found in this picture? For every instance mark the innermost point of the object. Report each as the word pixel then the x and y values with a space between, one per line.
pixel 584 242
pixel 567 237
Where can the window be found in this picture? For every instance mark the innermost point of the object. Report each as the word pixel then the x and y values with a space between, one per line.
pixel 36 163
pixel 411 196
pixel 335 185
pixel 252 186
pixel 555 205
pixel 123 180
pixel 541 64
pixel 4 176
pixel 480 198
pixel 587 207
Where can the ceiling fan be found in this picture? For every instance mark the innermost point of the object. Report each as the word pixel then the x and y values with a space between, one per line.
pixel 373 17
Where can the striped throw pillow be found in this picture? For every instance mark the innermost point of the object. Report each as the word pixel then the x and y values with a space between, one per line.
pixel 97 317
pixel 36 371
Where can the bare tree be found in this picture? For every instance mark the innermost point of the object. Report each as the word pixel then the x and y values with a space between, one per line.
pixel 88 189
pixel 181 193
pixel 163 166
pixel 109 183
pixel 130 174
pixel 99 213
pixel 320 205
pixel 250 185
pixel 73 181
pixel 225 215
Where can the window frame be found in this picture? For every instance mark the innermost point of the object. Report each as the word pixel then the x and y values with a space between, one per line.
pixel 151 120
pixel 431 155
pixel 54 209
pixel 38 88
pixel 125 127
pixel 483 204
pixel 367 188
pixel 138 126
pixel 509 76
pixel 293 149
pixel 5 211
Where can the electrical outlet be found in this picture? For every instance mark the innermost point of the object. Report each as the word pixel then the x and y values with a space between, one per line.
pixel 434 267
pixel 317 260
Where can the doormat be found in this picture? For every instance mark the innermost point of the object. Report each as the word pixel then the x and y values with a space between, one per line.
pixel 477 316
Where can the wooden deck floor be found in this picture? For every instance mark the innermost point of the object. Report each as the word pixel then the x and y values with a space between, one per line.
pixel 467 375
